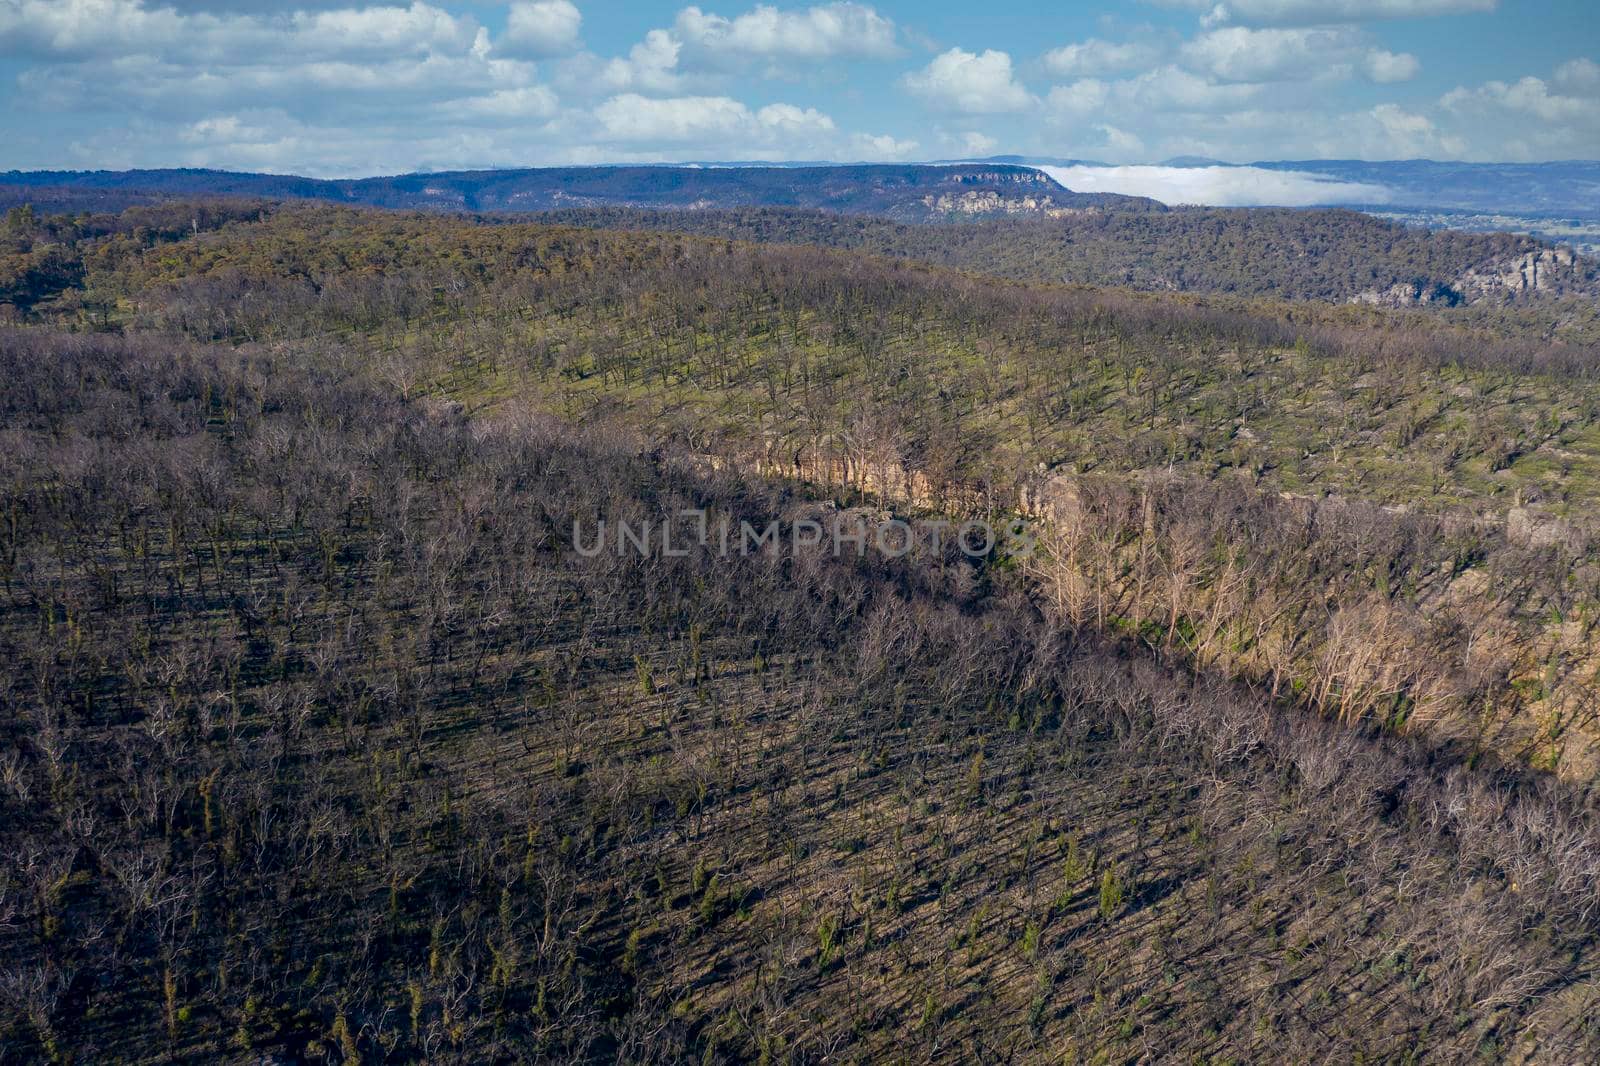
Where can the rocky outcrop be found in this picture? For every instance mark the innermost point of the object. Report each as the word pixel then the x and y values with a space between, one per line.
pixel 998 177
pixel 986 202
pixel 1540 271
pixel 989 202
pixel 1543 271
pixel 1409 294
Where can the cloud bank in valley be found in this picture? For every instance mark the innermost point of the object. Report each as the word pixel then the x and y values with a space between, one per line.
pixel 1219 186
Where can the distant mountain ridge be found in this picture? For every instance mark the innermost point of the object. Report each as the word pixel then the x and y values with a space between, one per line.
pixel 1561 188
pixel 904 192
pixel 1568 188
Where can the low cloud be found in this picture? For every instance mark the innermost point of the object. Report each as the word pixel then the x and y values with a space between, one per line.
pixel 1219 186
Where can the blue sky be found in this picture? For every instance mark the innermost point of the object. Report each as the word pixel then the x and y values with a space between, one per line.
pixel 347 88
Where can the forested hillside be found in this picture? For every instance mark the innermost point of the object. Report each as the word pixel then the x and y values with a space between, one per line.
pixel 1336 256
pixel 1009 222
pixel 322 742
pixel 1433 483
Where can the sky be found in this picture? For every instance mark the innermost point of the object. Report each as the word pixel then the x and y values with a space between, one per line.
pixel 339 88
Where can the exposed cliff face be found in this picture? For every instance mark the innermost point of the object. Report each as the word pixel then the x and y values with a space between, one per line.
pixel 1002 177
pixel 989 202
pixel 1409 294
pixel 1545 270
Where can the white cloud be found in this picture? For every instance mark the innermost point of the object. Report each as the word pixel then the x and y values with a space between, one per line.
pixel 970 83
pixel 701 49
pixel 1579 76
pixel 1312 12
pixel 389 31
pixel 541 28
pixel 332 86
pixel 1218 186
pixel 1389 131
pixel 1530 97
pixel 397 86
pixel 652 65
pixel 1240 54
pixel 976 144
pixel 881 146
pixel 1153 94
pixel 1237 53
pixel 1171 88
pixel 1388 67
pixel 273 141
pixel 1096 57
pixel 1082 97
pixel 787 118
pixel 529 102
pixel 122 56
pixel 824 32
pixel 631 117
pixel 1528 118
pixel 259 7
pixel 80 29
pixel 1121 142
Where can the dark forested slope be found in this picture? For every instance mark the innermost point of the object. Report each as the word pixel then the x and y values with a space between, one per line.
pixel 318 742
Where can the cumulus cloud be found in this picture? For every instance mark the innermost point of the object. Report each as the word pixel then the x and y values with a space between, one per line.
pixel 81 29
pixel 1389 131
pixel 1165 89
pixel 1218 186
pixel 824 32
pixel 397 86
pixel 529 102
pixel 1238 53
pixel 631 117
pixel 274 141
pixel 970 83
pixel 881 146
pixel 1095 57
pixel 698 52
pixel 1121 142
pixel 255 7
pixel 1387 67
pixel 125 56
pixel 651 65
pixel 1530 97
pixel 975 144
pixel 1312 12
pixel 1083 97
pixel 541 28
pixel 1532 118
pixel 1579 76
pixel 337 85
